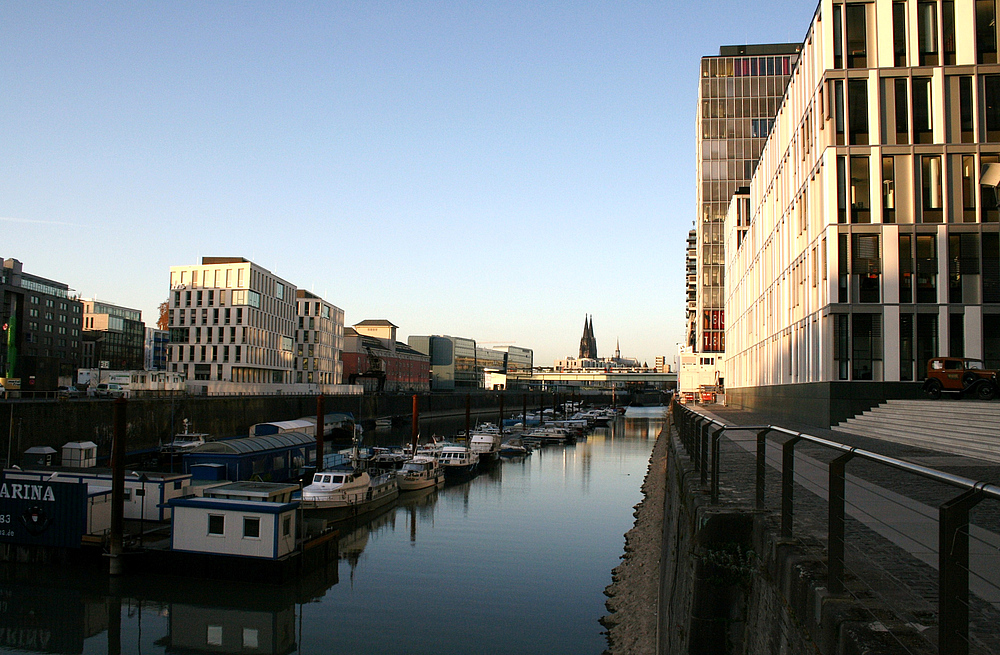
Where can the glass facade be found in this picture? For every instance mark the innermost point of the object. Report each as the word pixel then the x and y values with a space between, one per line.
pixel 740 92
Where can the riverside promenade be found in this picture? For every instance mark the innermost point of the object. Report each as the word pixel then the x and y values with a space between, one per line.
pixel 891 598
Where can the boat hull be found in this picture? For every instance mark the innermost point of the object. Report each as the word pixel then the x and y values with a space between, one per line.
pixel 338 509
pixel 415 484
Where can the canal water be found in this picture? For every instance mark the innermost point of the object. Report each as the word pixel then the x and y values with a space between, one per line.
pixel 513 561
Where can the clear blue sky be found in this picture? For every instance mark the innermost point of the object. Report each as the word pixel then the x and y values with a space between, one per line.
pixel 494 170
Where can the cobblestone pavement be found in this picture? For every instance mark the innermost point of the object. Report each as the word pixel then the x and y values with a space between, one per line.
pixel 891 530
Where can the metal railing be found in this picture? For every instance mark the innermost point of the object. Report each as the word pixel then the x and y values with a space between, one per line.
pixel 701 436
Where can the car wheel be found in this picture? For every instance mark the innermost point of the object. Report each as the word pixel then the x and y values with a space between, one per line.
pixel 932 389
pixel 986 391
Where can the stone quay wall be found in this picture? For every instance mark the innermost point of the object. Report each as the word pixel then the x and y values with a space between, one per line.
pixel 149 421
pixel 727 582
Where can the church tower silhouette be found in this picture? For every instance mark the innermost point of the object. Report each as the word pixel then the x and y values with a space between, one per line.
pixel 588 344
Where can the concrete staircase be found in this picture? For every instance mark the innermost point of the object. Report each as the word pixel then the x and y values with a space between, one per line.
pixel 961 427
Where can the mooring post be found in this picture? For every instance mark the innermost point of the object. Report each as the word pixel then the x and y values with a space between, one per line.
pixel 320 431
pixel 116 564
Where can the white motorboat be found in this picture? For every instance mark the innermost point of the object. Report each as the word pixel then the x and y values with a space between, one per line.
pixel 458 460
pixel 419 473
pixel 485 441
pixel 183 442
pixel 346 493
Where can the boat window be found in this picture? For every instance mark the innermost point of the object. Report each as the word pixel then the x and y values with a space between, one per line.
pixel 338 478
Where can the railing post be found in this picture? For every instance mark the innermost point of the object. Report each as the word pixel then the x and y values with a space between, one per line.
pixel 787 485
pixel 953 573
pixel 761 466
pixel 695 451
pixel 835 529
pixel 703 447
pixel 716 438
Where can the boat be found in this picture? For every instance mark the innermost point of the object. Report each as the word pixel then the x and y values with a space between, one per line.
pixel 458 461
pixel 419 473
pixel 485 441
pixel 342 494
pixel 514 448
pixel 183 442
pixel 550 435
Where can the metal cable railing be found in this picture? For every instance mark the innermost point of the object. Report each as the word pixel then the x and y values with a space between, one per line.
pixel 701 437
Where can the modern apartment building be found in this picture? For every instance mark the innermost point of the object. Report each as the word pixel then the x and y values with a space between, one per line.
pixel 319 340
pixel 113 337
pixel 40 330
pixel 232 321
pixel 738 96
pixel 156 349
pixel 873 239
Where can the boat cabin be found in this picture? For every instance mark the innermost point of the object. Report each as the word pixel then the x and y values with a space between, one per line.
pixel 246 519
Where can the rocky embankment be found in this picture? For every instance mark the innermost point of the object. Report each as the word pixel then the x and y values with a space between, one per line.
pixel 634 590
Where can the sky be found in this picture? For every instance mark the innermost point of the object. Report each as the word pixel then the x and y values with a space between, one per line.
pixel 490 170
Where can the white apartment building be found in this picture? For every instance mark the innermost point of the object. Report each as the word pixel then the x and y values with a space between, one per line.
pixel 868 242
pixel 319 340
pixel 232 323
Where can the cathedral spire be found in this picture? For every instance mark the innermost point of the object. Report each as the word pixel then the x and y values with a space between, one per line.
pixel 588 344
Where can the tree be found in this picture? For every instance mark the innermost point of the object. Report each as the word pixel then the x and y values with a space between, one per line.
pixel 164 322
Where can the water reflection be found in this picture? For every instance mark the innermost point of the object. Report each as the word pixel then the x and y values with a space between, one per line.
pixel 516 557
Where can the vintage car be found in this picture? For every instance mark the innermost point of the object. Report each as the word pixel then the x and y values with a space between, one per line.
pixel 961 375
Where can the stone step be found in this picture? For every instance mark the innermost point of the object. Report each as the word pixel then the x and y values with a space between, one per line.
pixel 970 428
pixel 938 435
pixel 983 450
pixel 969 424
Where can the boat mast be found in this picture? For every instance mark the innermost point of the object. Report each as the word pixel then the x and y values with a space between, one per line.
pixel 415 430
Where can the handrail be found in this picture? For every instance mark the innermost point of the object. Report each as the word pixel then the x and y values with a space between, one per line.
pixel 953 524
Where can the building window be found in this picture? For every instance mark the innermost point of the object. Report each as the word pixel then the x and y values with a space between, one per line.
pixel 857 37
pixel 866 346
pixel 857 111
pixel 251 527
pixel 986 34
pixel 927 268
pixel 888 190
pixel 905 268
pixel 906 347
pixel 968 188
pixel 216 525
pixel 932 210
pixel 991 103
pixel 991 341
pixel 956 335
pixel 860 191
pixel 838 111
pixel 843 271
pixel 963 261
pixel 899 33
pixel 948 26
pixel 867 265
pixel 991 267
pixel 927 340
pixel 838 36
pixel 965 112
pixel 927 33
pixel 902 111
pixel 922 125
pixel 841 345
